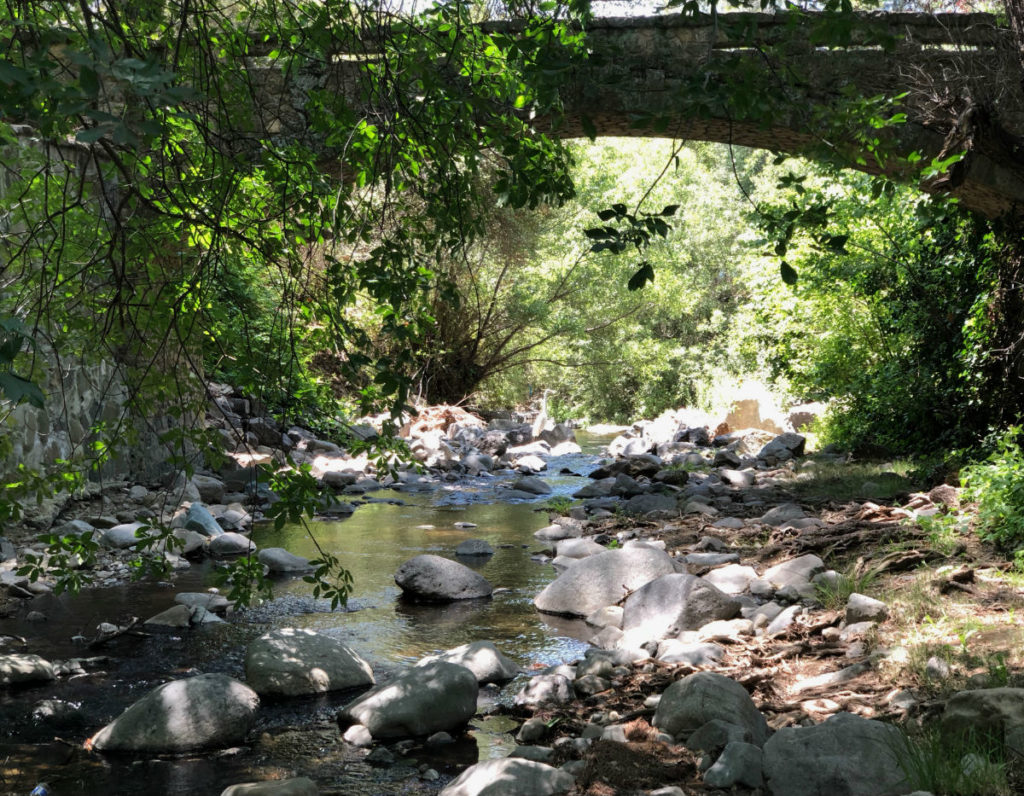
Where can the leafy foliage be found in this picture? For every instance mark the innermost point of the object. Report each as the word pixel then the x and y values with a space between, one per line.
pixel 996 485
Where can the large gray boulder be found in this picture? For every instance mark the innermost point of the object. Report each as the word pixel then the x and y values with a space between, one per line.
pixel 785 446
pixel 532 484
pixel 208 711
pixel 295 661
pixel 579 548
pixel 435 579
pixel 231 544
pixel 795 572
pixel 510 776
pixel 847 755
pixel 482 658
pixel 668 605
pixel 645 504
pixel 199 519
pixel 211 490
pixel 692 702
pixel 474 547
pixel 279 561
pixel 420 701
pixel 122 536
pixel 601 580
pixel 984 712
pixel 21 669
pixel 545 689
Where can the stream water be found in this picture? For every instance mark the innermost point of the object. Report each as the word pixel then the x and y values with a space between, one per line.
pixel 41 742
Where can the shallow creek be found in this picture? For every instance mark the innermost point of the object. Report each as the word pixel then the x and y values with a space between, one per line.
pixel 296 737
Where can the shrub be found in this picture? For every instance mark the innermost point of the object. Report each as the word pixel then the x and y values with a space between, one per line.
pixel 996 486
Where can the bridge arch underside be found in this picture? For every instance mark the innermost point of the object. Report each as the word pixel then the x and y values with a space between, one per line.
pixel 980 183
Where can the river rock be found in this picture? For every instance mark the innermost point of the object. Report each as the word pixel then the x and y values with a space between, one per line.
pixel 199 519
pixel 796 572
pixel 73 528
pixel 474 547
pixel 602 580
pixel 295 661
pixel 211 490
pixel 189 542
pixel 609 616
pixel 510 776
pixel 530 463
pixel 533 485
pixel 545 689
pixel 984 711
pixel 339 479
pixel 688 704
pixel 670 604
pixel 231 544
pixel 579 548
pixel 711 559
pixel 175 616
pixel 780 515
pixel 296 786
pixel 211 601
pixel 435 579
pixel 732 578
pixel 739 764
pixel 556 533
pixel 279 561
pixel 122 536
pixel 482 658
pixel 737 478
pixel 23 669
pixel 861 608
pixel 418 702
pixel 697 653
pixel 645 504
pixel 846 754
pixel 599 488
pixel 208 711
pixel 784 446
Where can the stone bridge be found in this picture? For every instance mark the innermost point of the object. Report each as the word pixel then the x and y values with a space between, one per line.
pixel 959 73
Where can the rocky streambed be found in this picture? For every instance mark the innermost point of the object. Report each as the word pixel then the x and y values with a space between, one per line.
pixel 681 628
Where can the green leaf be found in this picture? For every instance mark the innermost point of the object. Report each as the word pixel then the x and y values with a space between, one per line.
pixel 16 389
pixel 788 273
pixel 837 243
pixel 670 210
pixel 644 275
pixel 91 135
pixel 589 128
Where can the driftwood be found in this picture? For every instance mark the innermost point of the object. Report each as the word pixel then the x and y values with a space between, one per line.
pixel 105 636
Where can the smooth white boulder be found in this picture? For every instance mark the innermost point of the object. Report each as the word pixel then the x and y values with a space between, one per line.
pixel 295 661
pixel 23 669
pixel 435 579
pixel 482 658
pixel 846 754
pixel 692 702
pixel 208 711
pixel 601 580
pixel 279 561
pixel 420 701
pixel 673 603
pixel 510 776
